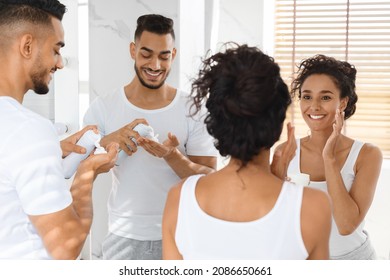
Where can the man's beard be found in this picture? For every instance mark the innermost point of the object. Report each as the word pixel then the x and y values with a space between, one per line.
pixel 39 86
pixel 38 79
pixel 149 86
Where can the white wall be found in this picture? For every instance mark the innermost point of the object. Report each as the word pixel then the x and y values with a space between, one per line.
pixel 378 217
pixel 66 81
pixel 241 22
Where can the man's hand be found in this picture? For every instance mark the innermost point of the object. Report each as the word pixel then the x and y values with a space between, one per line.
pixel 125 137
pixel 102 163
pixel 159 150
pixel 68 145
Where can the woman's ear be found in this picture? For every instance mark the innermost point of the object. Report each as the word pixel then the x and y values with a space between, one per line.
pixel 343 103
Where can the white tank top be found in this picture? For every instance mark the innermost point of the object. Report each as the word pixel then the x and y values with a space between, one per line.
pixel 277 235
pixel 338 244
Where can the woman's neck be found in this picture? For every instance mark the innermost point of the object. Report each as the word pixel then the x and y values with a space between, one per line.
pixel 258 163
pixel 317 140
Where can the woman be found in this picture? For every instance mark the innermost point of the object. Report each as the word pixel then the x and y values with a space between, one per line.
pixel 243 211
pixel 345 168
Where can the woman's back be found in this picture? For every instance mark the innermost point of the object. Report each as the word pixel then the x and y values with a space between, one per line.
pixel 274 234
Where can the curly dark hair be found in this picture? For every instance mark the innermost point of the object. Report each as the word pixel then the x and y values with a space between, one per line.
pixel 154 23
pixel 246 100
pixel 342 73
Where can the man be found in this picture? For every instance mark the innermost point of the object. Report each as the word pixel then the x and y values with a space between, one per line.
pixel 143 178
pixel 40 218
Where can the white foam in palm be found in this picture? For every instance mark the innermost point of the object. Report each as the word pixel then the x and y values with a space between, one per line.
pixel 146 131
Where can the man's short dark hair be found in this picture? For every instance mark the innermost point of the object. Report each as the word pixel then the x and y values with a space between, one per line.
pixel 153 23
pixel 32 11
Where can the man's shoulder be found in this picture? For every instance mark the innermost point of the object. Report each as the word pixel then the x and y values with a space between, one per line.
pixel 182 93
pixel 184 97
pixel 15 113
pixel 24 124
pixel 108 97
pixel 112 93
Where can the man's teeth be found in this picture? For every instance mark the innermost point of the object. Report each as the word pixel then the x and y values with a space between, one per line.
pixel 316 117
pixel 153 74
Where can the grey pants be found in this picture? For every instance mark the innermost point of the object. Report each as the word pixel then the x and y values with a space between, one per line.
pixel 116 247
pixel 365 252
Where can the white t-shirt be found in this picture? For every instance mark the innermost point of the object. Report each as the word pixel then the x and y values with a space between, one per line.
pixel 141 182
pixel 275 236
pixel 31 179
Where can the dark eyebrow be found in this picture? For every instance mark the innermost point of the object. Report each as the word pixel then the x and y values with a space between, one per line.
pixel 151 51
pixel 146 49
pixel 326 92
pixel 321 92
pixel 165 52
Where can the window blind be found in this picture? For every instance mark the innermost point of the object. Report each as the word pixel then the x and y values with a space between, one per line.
pixel 356 31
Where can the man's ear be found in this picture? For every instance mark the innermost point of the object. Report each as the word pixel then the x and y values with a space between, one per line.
pixel 132 50
pixel 26 45
pixel 174 53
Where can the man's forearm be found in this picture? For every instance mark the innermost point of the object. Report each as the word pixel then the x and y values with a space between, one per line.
pixel 183 166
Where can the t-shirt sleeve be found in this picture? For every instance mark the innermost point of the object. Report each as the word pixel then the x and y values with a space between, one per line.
pixel 37 169
pixel 200 142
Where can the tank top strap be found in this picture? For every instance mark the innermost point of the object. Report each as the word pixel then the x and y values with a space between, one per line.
pixel 298 141
pixel 188 189
pixel 294 193
pixel 352 156
pixel 192 180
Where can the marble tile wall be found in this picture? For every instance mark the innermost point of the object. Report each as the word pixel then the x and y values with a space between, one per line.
pixel 112 25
